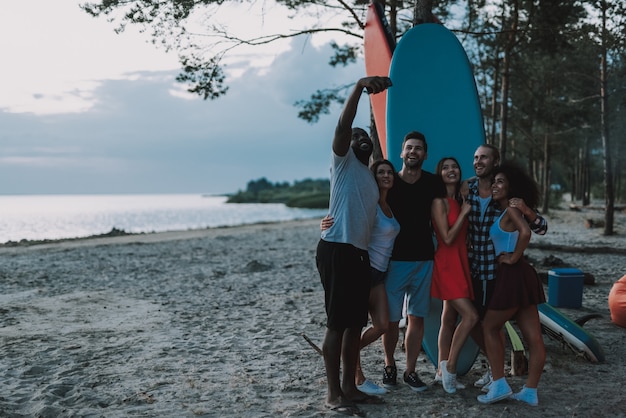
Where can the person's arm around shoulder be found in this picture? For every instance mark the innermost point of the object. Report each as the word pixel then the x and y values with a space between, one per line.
pixel 343 131
pixel 537 223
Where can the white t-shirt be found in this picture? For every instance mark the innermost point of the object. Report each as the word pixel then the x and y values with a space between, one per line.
pixel 353 201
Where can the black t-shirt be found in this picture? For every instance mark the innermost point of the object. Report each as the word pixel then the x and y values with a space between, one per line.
pixel 411 204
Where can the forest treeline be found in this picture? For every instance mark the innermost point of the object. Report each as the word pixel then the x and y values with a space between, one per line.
pixel 551 77
pixel 306 193
pixel 551 74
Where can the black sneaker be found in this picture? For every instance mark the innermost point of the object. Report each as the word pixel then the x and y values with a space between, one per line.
pixel 390 374
pixel 413 380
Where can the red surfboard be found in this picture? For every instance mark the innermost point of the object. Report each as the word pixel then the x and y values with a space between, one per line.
pixel 379 44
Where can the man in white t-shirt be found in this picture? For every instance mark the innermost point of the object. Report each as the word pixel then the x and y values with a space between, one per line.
pixel 342 259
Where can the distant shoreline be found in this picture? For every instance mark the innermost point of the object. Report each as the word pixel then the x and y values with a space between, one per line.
pixel 32 220
pixel 115 233
pixel 567 232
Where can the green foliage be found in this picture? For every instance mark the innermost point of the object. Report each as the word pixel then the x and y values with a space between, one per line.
pixel 344 55
pixel 205 77
pixel 319 104
pixel 312 201
pixel 307 193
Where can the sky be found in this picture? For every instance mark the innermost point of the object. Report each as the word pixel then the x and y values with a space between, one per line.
pixel 84 110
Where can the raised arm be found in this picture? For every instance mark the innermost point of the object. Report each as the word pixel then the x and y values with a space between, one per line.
pixel 343 131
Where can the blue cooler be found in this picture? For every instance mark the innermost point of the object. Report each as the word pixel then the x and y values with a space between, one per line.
pixel 565 287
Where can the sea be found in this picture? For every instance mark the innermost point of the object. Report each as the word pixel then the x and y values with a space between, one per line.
pixel 53 217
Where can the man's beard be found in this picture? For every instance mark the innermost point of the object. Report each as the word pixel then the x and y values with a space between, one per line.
pixel 413 163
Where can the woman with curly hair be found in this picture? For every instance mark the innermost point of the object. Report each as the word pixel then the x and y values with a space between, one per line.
pixel 518 290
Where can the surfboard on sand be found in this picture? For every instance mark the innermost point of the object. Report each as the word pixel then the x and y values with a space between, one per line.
pixel 561 328
pixel 432 323
pixel 379 44
pixel 434 92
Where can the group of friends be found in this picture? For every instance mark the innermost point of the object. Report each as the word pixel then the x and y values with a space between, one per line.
pixel 392 240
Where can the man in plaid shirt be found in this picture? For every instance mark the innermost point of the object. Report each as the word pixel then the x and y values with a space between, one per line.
pixel 485 210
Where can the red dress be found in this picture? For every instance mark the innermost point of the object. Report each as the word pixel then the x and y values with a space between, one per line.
pixel 451 272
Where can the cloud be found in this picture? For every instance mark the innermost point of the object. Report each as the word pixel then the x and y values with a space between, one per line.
pixel 139 137
pixel 56 55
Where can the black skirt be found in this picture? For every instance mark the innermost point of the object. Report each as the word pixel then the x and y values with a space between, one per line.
pixel 517 286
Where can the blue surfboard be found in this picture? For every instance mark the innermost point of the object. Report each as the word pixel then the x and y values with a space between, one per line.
pixel 434 92
pixel 561 328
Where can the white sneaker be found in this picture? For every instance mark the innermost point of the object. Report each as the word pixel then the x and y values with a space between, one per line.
pixel 498 391
pixel 484 380
pixel 371 388
pixel 528 395
pixel 486 387
pixel 438 381
pixel 448 379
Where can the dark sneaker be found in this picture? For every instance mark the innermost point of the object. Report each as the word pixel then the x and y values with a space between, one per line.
pixel 413 380
pixel 390 374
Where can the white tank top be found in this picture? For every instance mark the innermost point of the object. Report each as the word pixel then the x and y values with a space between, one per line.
pixel 381 241
pixel 503 241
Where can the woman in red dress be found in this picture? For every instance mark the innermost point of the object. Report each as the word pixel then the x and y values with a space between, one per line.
pixel 451 275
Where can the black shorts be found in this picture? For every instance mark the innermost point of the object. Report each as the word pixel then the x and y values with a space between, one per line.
pixel 483 291
pixel 345 275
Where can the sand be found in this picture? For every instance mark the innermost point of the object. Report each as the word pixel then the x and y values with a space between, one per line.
pixel 210 323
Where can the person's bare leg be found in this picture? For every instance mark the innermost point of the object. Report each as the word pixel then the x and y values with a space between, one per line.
pixel 349 356
pixel 446 331
pixel 390 341
pixel 499 388
pixel 359 377
pixel 528 322
pixel 494 345
pixel 413 341
pixel 379 313
pixel 469 318
pixel 331 348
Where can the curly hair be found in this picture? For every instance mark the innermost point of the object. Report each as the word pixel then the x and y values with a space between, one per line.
pixel 521 185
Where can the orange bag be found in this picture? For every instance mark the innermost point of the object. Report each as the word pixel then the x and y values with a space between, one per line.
pixel 617 302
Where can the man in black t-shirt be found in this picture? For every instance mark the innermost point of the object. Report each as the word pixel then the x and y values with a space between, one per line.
pixel 411 266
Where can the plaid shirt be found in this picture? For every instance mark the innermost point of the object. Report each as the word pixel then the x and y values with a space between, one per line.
pixel 481 253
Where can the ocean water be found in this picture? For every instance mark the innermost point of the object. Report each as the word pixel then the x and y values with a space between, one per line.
pixel 38 217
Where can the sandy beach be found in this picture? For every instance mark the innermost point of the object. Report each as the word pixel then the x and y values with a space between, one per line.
pixel 210 323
